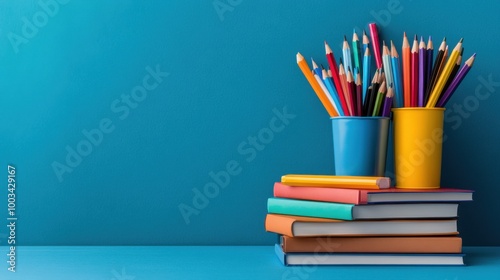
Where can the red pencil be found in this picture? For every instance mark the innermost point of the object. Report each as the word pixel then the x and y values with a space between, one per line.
pixel 335 76
pixel 351 88
pixel 414 73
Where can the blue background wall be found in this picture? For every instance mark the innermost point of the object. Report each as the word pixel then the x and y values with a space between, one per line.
pixel 225 76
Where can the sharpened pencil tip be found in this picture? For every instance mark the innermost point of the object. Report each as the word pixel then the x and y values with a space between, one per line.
pixel 444 39
pixel 474 55
pixel 415 38
pixel 345 38
pixel 461 40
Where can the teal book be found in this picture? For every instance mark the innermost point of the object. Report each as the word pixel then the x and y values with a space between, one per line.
pixel 344 211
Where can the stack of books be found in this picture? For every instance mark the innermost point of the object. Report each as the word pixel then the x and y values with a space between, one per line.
pixel 349 220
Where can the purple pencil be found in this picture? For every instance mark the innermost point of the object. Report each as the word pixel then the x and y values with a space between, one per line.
pixel 386 111
pixel 422 67
pixel 456 81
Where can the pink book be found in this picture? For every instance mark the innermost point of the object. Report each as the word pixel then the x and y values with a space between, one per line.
pixel 363 196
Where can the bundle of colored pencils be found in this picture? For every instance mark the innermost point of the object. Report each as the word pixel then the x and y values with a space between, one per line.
pixel 419 81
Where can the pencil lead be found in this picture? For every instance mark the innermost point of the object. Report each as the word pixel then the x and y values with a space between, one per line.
pixel 415 38
pixel 345 38
pixel 421 38
pixel 461 40
pixel 474 55
pixel 444 39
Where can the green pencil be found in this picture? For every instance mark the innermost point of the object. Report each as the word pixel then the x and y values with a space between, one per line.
pixel 380 98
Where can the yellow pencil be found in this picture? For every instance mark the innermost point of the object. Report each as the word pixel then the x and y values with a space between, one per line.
pixel 343 182
pixel 445 74
pixel 316 87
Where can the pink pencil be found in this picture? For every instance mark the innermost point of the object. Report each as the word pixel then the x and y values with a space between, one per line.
pixel 414 74
pixel 376 44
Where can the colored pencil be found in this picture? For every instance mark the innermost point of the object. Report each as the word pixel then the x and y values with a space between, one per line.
pixel 456 81
pixel 372 94
pixel 422 56
pixel 335 76
pixel 406 71
pixel 365 102
pixel 343 81
pixel 454 71
pixel 414 73
pixel 316 69
pixel 356 51
pixel 359 95
pixel 333 93
pixel 386 111
pixel 346 54
pixel 396 76
pixel 325 90
pixel 441 81
pixel 386 60
pixel 435 69
pixel 366 71
pixel 352 92
pixel 380 98
pixel 375 44
pixel 366 41
pixel 316 87
pixel 428 66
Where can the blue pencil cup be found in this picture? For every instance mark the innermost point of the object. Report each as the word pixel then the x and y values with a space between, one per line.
pixel 360 145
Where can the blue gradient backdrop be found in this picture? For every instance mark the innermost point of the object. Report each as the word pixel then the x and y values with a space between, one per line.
pixel 231 75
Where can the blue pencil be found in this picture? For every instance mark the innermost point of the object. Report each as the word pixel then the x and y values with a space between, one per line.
pixel 333 93
pixel 396 77
pixel 316 69
pixel 346 53
pixel 366 41
pixel 386 61
pixel 366 71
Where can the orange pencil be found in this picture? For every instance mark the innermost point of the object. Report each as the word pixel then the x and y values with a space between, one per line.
pixel 406 71
pixel 316 87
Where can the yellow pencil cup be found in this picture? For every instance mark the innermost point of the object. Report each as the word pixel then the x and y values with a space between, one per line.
pixel 418 146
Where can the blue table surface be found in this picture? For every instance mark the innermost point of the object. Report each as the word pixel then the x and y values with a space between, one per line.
pixel 218 262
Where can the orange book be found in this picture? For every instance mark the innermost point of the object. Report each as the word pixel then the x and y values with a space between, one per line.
pixel 406 244
pixel 298 226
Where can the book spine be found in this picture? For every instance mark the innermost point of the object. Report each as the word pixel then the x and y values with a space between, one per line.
pixel 317 194
pixel 305 208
